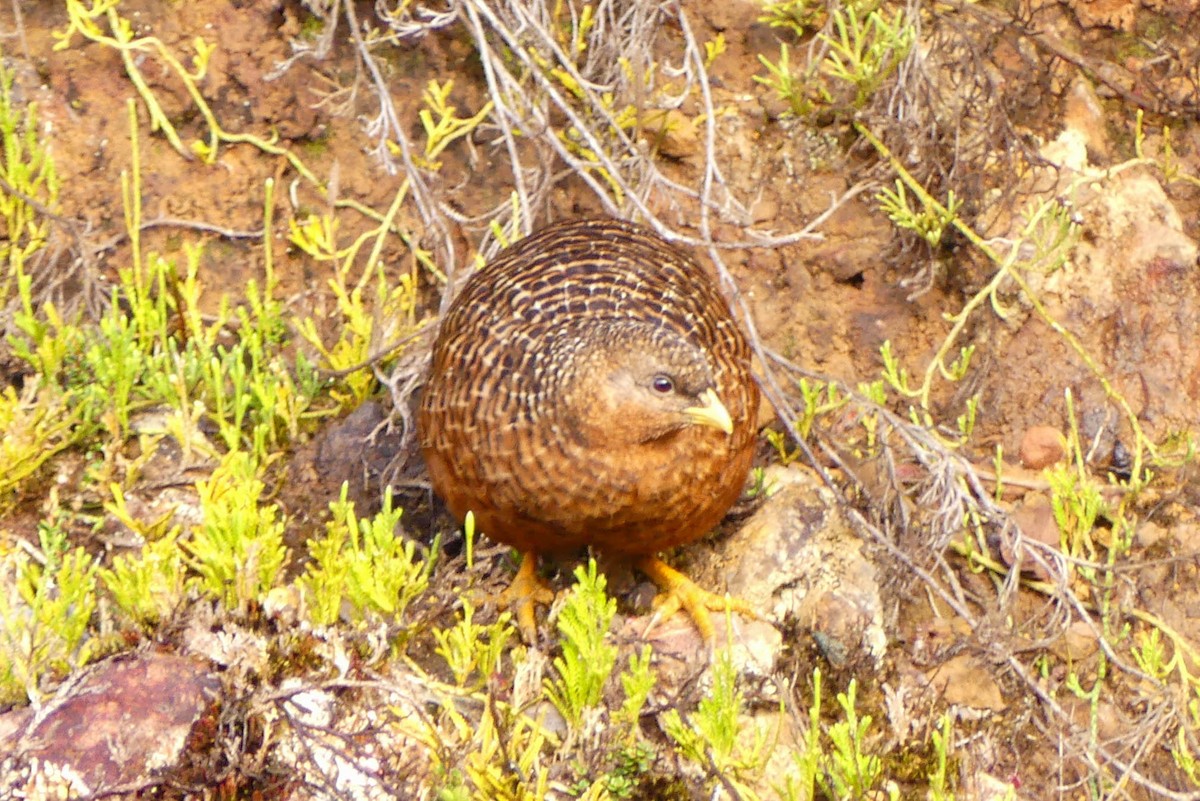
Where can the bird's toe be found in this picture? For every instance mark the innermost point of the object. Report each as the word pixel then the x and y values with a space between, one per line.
pixel 525 592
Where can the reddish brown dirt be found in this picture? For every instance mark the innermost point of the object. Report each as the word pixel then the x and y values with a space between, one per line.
pixel 827 305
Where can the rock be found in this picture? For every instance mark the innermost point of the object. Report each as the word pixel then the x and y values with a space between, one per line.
pixel 773 106
pixel 784 738
pixel 1083 113
pixel 1035 517
pixel 1078 642
pixel 985 787
pixel 731 15
pixel 672 133
pixel 933 639
pixel 123 723
pixel 1126 290
pixel 965 680
pixel 798 559
pixel 1133 254
pixel 1119 14
pixel 680 653
pixel 350 451
pixel 1042 446
pixel 1149 534
pixel 764 210
pixel 339 749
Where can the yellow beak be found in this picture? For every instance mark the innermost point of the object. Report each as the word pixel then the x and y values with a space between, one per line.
pixel 713 413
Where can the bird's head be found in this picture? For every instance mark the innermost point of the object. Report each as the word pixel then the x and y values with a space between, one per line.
pixel 634 382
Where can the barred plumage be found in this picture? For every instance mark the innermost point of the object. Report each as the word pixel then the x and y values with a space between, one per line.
pixel 589 387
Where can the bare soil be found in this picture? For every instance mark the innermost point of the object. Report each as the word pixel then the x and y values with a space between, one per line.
pixel 1131 295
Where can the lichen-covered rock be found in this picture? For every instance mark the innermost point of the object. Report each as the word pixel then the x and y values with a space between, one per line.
pixel 120 724
pixel 798 558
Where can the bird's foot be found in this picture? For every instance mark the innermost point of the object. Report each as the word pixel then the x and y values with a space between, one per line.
pixel 526 590
pixel 677 591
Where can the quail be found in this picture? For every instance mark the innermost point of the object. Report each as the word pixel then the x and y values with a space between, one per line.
pixel 589 387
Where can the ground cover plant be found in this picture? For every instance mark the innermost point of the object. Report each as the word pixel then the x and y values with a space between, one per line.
pixel 287 198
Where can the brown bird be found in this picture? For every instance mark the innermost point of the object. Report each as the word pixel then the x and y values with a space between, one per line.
pixel 590 387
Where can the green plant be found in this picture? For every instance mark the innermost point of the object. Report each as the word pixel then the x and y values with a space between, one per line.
pixel 30 186
pixel 364 326
pixel 929 222
pixel 136 357
pixel 1095 520
pixel 147 586
pixel 471 649
pixel 792 15
pixel 839 758
pixel 1183 753
pixel 151 347
pixel 238 550
pixel 504 764
pixel 795 92
pixel 630 765
pixel 897 378
pixel 600 121
pixel 116 33
pixel 807 760
pixel 1150 654
pixel 943 742
pixel 497 753
pixel 364 564
pixel 46 603
pixel 37 424
pixel 866 49
pixel 637 682
pixel 851 771
pixel 820 398
pixel 713 50
pixel 587 658
pixel 713 736
pixel 441 122
pixel 1168 162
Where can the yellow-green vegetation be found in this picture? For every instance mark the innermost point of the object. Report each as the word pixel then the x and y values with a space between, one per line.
pixel 100 22
pixel 601 748
pixel 859 49
pixel 362 564
pixel 234 384
pixel 29 180
pixel 378 310
pixel 47 600
pixel 864 45
pixel 587 657
pixel 714 734
pixel 442 124
pixel 37 425
pixel 157 369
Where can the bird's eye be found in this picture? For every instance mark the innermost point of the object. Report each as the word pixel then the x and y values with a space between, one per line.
pixel 663 384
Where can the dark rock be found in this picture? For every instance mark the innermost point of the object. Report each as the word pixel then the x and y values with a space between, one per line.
pixel 120 724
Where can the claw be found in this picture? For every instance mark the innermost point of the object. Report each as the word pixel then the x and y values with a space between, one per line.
pixel 526 590
pixel 677 591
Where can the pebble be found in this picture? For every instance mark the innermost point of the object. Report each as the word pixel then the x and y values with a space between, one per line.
pixel 1078 642
pixel 672 133
pixel 1042 446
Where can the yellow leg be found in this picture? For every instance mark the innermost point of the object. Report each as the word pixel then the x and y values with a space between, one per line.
pixel 678 591
pixel 526 590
